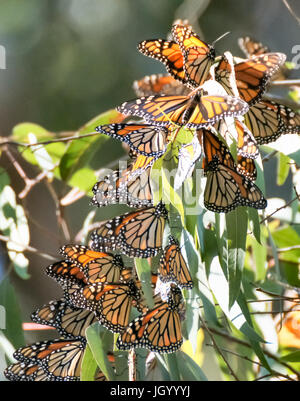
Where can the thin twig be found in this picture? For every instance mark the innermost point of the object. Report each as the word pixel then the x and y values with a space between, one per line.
pixel 246 358
pixel 29 182
pixel 291 11
pixel 7 141
pixel 27 248
pixel 218 348
pixel 281 207
pixel 246 344
pixel 132 365
pixel 59 210
pixel 287 82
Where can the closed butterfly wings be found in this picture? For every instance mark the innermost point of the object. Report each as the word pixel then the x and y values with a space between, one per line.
pixel 70 322
pixel 144 139
pixel 198 55
pixel 138 234
pixel 60 359
pixel 268 120
pixel 158 329
pixel 168 52
pixel 111 302
pixel 226 188
pixel 173 267
pixel 96 266
pixel 131 186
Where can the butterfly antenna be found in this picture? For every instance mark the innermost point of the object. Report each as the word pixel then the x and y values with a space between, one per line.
pixel 220 37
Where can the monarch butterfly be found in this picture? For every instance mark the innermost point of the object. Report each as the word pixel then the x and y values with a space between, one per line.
pixel 252 75
pixel 65 272
pixel 192 111
pixel 251 47
pixel 96 266
pixel 68 275
pixel 247 151
pixel 226 188
pixel 111 302
pixel 124 187
pixel 246 143
pixel 158 84
pixel 22 371
pixel 158 330
pixel 60 359
pixel 168 52
pixel 138 234
pixel 198 55
pixel 145 139
pixel 173 267
pixel 70 322
pixel 268 120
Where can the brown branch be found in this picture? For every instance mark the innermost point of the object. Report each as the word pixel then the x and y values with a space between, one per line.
pixel 7 141
pixel 281 207
pixel 27 248
pixel 291 11
pixel 218 349
pixel 244 343
pixel 59 210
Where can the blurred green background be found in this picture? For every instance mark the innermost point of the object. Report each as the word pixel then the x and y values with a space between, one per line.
pixel 69 60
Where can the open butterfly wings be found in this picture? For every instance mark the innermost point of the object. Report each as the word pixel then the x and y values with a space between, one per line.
pixel 157 84
pixel 252 76
pixel 192 111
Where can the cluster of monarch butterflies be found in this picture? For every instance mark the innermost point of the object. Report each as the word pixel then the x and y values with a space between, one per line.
pixel 96 285
pixel 234 107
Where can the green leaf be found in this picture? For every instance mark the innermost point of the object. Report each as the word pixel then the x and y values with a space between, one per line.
pixel 22 132
pixel 100 340
pixel 220 288
pixel 173 366
pixel 259 253
pixel 84 179
pixel 10 312
pixel 89 366
pixel 291 357
pixel 254 223
pixel 189 370
pixel 143 270
pixel 80 151
pixel 236 224
pixel 283 168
